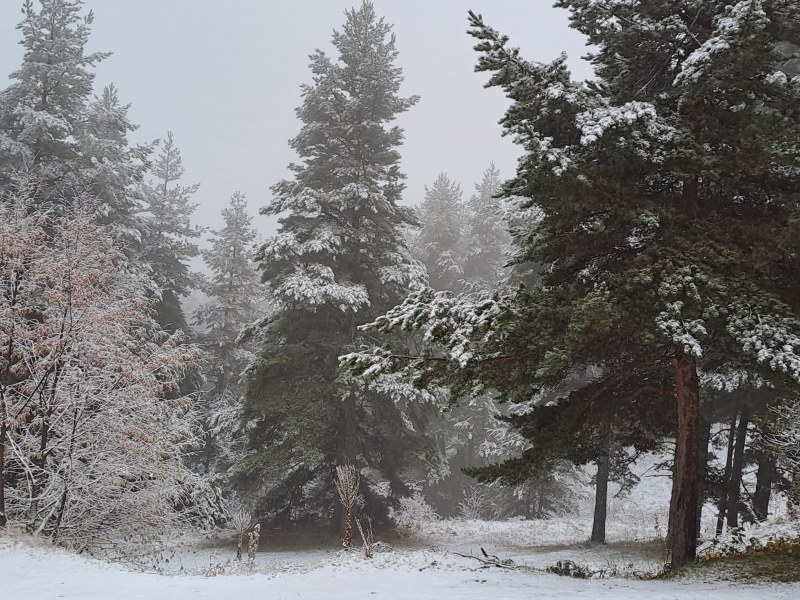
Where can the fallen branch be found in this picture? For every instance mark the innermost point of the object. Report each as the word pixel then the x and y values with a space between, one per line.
pixel 490 560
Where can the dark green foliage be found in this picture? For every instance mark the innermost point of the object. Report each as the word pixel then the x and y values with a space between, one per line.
pixel 167 241
pixel 667 189
pixel 337 262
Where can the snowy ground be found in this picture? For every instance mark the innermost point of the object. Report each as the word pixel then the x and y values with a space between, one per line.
pixel 29 573
pixel 423 566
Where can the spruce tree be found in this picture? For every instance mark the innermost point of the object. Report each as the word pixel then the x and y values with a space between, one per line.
pixel 167 243
pixel 487 242
pixel 337 261
pixel 44 106
pixel 234 295
pixel 439 242
pixel 112 170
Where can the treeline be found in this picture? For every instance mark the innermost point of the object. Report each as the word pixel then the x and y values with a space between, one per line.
pixel 634 287
pixel 100 373
pixel 658 293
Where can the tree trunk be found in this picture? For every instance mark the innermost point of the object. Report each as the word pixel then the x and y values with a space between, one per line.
pixel 347 538
pixel 3 433
pixel 702 465
pixel 735 483
pixel 766 466
pixel 61 509
pixel 687 446
pixel 726 478
pixel 600 500
pixel 672 497
pixel 37 484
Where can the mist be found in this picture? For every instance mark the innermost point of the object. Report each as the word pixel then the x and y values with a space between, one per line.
pixel 399 299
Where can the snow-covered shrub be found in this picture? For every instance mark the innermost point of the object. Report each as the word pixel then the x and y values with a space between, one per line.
pixel 413 512
pixel 568 568
pixel 477 503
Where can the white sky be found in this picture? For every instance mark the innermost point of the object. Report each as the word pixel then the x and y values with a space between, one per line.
pixel 225 75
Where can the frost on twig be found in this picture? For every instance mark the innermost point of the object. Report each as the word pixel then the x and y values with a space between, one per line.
pixel 254 537
pixel 240 523
pixel 347 480
pixel 367 540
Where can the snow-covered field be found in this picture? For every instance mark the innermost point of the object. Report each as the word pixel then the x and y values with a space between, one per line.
pixel 31 573
pixel 423 566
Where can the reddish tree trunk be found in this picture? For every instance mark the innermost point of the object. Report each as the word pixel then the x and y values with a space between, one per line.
pixel 687 447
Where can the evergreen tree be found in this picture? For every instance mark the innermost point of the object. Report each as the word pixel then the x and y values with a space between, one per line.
pixel 669 195
pixel 486 237
pixel 337 261
pixel 167 244
pixel 438 244
pixel 41 111
pixel 234 293
pixel 112 170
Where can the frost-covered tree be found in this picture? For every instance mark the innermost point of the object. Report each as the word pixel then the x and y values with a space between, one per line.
pixel 781 440
pixel 167 243
pixel 42 109
pixel 438 242
pixel 50 127
pixel 112 170
pixel 91 431
pixel 486 239
pixel 669 196
pixel 235 295
pixel 337 261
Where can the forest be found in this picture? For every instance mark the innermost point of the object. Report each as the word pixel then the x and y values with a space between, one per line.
pixel 588 367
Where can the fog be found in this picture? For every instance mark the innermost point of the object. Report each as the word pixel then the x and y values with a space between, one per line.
pixel 225 78
pixel 245 349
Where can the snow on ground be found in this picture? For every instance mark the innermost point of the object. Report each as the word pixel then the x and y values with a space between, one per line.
pixel 425 567
pixel 30 573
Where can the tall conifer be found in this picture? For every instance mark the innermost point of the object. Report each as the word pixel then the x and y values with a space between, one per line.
pixel 337 261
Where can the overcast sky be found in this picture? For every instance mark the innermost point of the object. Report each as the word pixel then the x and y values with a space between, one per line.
pixel 224 77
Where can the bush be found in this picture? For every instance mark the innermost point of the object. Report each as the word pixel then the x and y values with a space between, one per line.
pixel 414 512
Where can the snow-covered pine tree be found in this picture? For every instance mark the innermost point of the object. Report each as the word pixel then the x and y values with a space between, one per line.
pixel 44 105
pixel 487 242
pixel 669 195
pixel 337 261
pixel 235 295
pixel 438 244
pixel 111 170
pixel 167 243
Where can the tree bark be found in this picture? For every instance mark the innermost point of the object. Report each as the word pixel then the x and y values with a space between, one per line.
pixel 687 446
pixel 3 433
pixel 766 467
pixel 601 499
pixel 672 497
pixel 735 483
pixel 347 538
pixel 726 478
pixel 702 466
